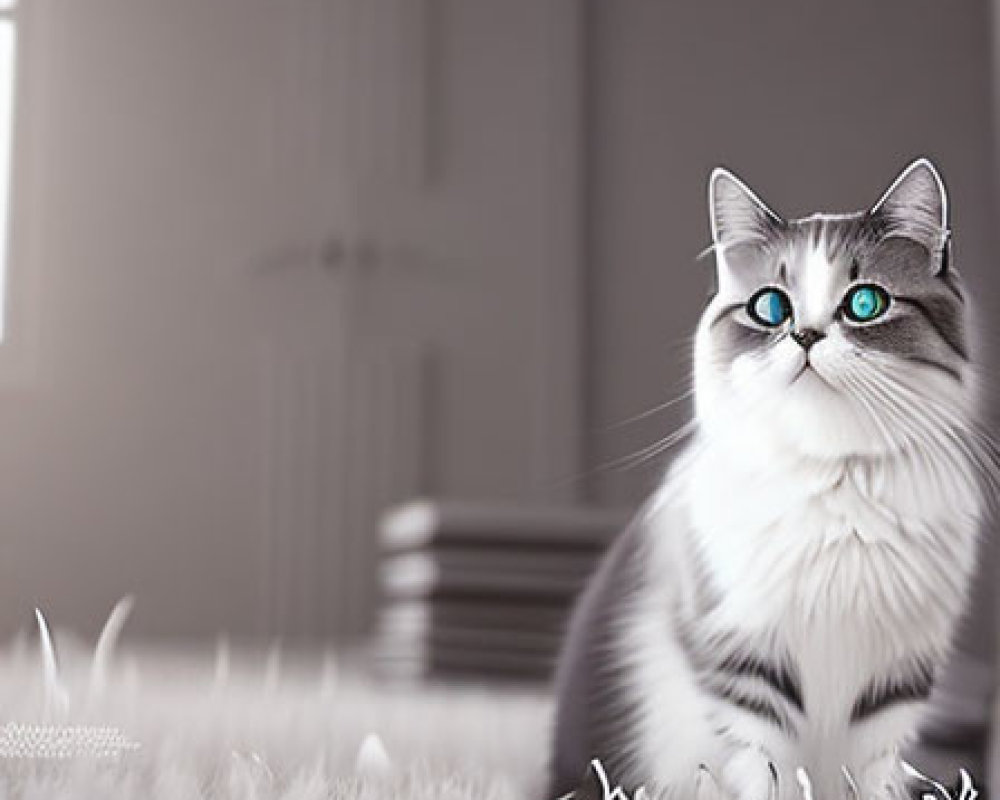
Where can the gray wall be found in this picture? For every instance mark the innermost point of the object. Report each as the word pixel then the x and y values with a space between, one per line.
pixel 815 106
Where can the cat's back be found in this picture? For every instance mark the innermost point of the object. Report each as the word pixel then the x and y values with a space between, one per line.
pixel 600 706
pixel 588 679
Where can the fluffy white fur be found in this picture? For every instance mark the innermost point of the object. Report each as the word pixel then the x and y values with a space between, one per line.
pixel 839 509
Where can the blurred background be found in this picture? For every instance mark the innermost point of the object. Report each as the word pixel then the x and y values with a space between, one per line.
pixel 274 268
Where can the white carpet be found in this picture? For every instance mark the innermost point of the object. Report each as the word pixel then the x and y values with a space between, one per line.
pixel 257 727
pixel 170 725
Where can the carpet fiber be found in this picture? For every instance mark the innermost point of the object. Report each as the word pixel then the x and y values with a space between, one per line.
pixel 254 727
pixel 168 725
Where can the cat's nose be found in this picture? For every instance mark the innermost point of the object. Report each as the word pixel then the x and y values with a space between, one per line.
pixel 807 337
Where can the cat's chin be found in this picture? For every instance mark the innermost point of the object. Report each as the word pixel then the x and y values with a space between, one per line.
pixel 818 421
pixel 792 408
pixel 810 419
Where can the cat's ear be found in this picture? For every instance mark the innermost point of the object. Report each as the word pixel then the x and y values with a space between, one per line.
pixel 915 206
pixel 737 214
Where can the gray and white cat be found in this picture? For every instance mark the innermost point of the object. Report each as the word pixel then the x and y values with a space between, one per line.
pixel 786 596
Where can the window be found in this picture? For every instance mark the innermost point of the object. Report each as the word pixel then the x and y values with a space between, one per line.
pixel 8 51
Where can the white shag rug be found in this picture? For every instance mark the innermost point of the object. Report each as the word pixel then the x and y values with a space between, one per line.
pixel 167 726
pixel 98 724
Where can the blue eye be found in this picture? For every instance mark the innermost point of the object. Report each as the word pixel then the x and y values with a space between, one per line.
pixel 865 303
pixel 769 307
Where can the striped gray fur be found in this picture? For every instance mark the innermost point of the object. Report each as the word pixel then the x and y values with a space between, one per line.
pixel 598 714
pixel 910 682
pixel 731 669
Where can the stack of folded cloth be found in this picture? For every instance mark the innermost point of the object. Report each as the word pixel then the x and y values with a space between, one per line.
pixel 476 590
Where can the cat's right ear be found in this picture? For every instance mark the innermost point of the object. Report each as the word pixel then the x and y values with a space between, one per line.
pixel 737 215
pixel 915 206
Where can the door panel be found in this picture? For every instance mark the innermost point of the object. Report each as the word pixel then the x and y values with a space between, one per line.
pixel 295 261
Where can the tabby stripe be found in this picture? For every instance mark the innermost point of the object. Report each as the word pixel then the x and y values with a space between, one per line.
pixel 757 706
pixel 723 313
pixel 717 676
pixel 778 678
pixel 948 337
pixel 883 694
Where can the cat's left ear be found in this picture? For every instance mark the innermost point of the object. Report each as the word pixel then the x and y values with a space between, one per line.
pixel 915 206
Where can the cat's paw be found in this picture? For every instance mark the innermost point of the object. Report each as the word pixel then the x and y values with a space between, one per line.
pixel 881 778
pixel 749 774
pixel 706 787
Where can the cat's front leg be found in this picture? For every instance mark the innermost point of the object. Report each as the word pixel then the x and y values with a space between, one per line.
pixel 881 778
pixel 749 774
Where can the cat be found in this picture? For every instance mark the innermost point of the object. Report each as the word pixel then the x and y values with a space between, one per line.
pixel 786 596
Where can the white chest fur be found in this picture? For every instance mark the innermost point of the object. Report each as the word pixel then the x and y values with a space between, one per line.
pixel 883 547
pixel 848 568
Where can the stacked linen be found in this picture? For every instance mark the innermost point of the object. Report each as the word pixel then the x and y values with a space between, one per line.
pixel 476 590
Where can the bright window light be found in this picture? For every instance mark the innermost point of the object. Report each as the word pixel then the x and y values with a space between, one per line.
pixel 8 45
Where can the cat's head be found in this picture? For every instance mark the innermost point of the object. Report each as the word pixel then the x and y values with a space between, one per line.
pixel 834 334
